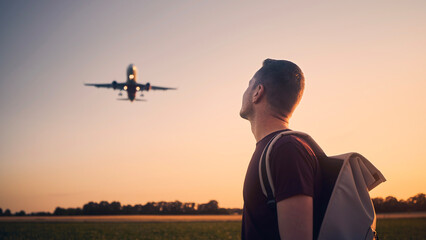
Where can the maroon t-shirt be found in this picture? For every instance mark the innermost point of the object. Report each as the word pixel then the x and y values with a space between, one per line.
pixel 295 171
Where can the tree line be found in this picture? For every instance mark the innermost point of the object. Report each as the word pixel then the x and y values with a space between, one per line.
pixel 150 208
pixel 389 204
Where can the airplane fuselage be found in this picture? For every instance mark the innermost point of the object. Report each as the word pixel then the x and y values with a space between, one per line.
pixel 131 87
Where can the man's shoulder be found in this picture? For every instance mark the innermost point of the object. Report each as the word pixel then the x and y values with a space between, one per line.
pixel 291 143
pixel 290 140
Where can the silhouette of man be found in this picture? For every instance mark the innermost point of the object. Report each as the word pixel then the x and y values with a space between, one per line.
pixel 268 103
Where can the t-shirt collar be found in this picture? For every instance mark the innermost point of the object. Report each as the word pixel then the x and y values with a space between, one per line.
pixel 267 137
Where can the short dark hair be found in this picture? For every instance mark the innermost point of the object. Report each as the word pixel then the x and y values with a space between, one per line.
pixel 284 84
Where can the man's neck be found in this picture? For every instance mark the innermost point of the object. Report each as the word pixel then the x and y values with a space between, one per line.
pixel 262 126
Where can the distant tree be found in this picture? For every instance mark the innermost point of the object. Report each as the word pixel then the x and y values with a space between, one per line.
pixel 418 202
pixel 20 213
pixel 114 208
pixel 102 208
pixel 162 207
pixel 378 204
pixel 173 207
pixel 188 208
pixel 208 208
pixel 74 211
pixel 128 209
pixel 138 209
pixel 151 208
pixel 7 213
pixel 391 204
pixel 67 212
pixel 1 212
pixel 235 211
pixel 90 208
pixel 59 211
pixel 222 211
pixel 40 214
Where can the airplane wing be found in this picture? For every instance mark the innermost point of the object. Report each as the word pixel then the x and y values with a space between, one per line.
pixel 149 86
pixel 162 88
pixel 118 86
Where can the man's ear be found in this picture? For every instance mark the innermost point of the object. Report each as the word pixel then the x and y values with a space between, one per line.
pixel 258 93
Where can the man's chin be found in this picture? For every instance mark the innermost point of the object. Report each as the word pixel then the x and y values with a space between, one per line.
pixel 243 115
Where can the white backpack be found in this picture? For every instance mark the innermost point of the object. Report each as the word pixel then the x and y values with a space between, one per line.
pixel 347 210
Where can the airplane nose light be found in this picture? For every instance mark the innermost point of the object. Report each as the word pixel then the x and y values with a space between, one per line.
pixel 138 88
pixel 125 88
pixel 131 76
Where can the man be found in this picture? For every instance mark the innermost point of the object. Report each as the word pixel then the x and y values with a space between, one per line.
pixel 268 103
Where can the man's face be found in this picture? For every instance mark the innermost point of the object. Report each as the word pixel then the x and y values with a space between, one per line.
pixel 247 104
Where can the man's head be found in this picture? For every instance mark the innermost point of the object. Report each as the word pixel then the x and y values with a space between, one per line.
pixel 279 85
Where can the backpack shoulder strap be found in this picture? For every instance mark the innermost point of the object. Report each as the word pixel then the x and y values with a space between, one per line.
pixel 265 176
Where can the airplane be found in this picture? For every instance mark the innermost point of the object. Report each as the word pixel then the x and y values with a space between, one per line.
pixel 131 86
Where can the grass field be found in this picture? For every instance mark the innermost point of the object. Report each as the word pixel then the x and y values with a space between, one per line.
pixel 414 228
pixel 408 228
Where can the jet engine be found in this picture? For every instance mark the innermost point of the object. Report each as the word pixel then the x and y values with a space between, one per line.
pixel 114 85
pixel 147 86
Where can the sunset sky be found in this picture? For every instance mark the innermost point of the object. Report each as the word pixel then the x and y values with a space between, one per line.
pixel 65 144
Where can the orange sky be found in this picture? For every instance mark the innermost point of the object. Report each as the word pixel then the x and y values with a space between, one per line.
pixel 63 144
